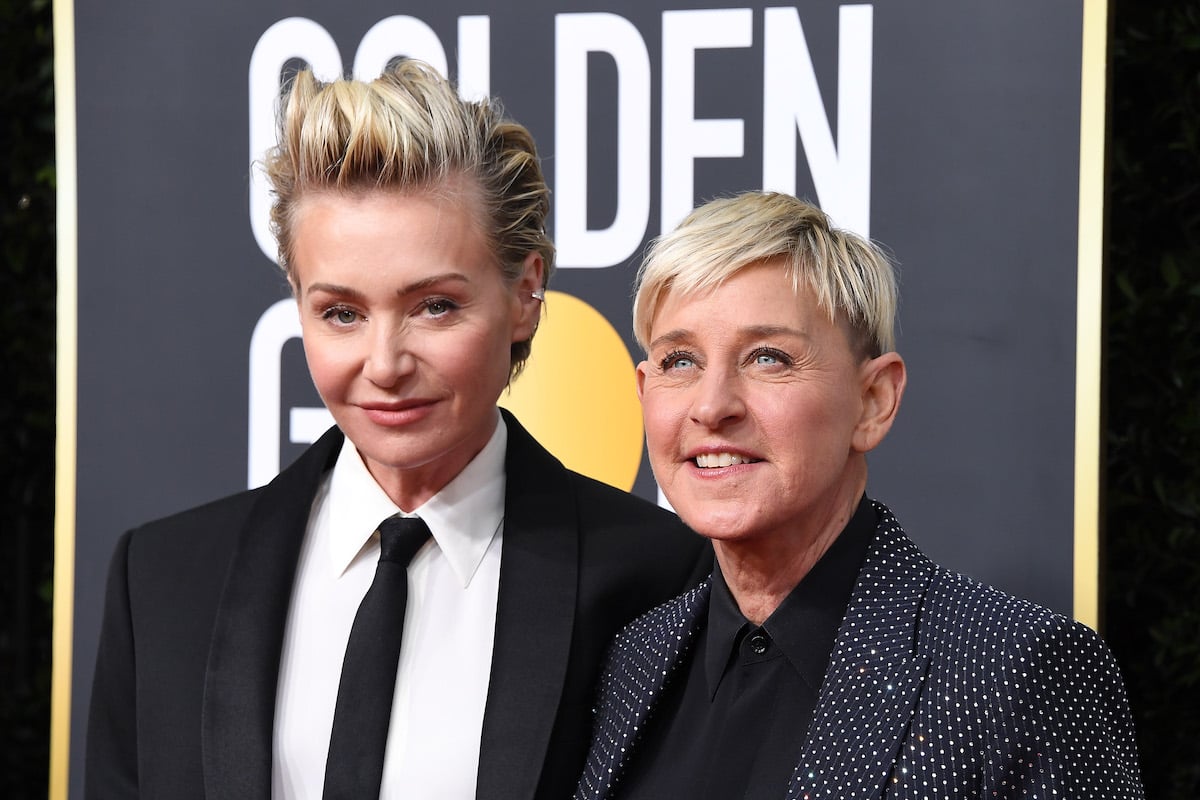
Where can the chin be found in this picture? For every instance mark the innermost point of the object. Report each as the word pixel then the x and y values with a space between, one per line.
pixel 722 526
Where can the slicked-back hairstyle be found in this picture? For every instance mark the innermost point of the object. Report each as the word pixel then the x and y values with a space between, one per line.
pixel 409 131
pixel 851 277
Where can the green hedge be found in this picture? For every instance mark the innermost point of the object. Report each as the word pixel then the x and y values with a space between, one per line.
pixel 27 280
pixel 1152 502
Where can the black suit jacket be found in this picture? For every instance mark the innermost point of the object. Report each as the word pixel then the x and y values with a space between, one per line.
pixel 183 699
pixel 938 687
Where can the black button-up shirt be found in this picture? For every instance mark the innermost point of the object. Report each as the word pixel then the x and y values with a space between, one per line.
pixel 732 724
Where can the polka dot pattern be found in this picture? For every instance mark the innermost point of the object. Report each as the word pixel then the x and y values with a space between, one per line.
pixel 938 687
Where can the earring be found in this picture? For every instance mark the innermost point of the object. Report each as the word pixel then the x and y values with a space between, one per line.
pixel 539 295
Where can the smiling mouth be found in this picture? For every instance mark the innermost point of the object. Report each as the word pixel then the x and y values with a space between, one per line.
pixel 715 460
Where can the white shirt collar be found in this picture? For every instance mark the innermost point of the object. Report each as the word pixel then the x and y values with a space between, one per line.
pixel 464 516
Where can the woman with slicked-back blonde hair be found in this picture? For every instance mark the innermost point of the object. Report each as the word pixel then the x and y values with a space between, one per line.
pixel 417 607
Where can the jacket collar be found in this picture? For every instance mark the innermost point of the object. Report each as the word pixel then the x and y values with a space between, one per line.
pixel 642 661
pixel 238 713
pixel 535 615
pixel 874 676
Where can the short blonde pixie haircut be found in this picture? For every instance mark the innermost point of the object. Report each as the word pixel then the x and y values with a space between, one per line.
pixel 851 277
pixel 409 131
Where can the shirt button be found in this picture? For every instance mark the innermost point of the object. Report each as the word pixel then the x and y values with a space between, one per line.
pixel 758 643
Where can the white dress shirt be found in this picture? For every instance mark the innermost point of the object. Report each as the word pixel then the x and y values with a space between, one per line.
pixel 449 628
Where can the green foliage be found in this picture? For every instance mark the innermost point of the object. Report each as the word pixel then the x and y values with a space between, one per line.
pixel 27 281
pixel 1153 382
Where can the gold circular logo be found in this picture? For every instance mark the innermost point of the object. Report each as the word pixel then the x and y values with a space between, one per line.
pixel 578 393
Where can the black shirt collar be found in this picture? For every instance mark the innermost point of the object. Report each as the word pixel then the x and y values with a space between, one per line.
pixel 806 623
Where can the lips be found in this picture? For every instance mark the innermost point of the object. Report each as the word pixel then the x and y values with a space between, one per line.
pixel 722 459
pixel 394 414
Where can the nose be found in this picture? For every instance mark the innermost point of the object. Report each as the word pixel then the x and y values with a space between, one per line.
pixel 717 398
pixel 389 357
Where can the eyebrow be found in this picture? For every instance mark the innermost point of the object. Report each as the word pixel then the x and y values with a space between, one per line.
pixel 415 286
pixel 671 337
pixel 750 331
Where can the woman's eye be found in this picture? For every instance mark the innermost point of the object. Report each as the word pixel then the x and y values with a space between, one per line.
pixel 340 315
pixel 769 357
pixel 439 307
pixel 676 361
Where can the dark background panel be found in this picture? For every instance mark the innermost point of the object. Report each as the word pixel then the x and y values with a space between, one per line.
pixel 974 180
pixel 974 175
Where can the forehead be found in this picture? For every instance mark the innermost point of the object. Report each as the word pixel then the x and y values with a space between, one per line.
pixel 764 288
pixel 386 238
pixel 455 190
pixel 758 300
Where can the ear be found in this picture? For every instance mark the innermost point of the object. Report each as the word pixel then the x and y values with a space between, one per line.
pixel 641 378
pixel 527 307
pixel 882 382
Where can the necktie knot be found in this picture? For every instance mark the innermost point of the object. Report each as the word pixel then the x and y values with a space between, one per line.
pixel 401 537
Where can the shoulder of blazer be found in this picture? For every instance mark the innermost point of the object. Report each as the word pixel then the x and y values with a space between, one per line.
pixel 954 600
pixel 623 518
pixel 963 615
pixel 1051 707
pixel 1064 706
pixel 636 532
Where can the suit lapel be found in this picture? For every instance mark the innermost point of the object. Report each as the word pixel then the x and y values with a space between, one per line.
pixel 642 661
pixel 535 615
pixel 874 677
pixel 243 662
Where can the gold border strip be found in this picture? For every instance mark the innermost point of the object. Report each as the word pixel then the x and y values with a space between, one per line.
pixel 65 402
pixel 1089 332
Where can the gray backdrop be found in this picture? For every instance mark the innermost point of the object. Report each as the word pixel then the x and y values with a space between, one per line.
pixel 965 166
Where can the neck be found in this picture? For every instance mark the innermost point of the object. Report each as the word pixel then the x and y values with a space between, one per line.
pixel 761 572
pixel 411 487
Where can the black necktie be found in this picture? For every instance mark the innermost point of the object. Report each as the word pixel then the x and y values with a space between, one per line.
pixel 354 769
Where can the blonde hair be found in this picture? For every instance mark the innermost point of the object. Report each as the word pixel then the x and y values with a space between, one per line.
pixel 409 131
pixel 849 275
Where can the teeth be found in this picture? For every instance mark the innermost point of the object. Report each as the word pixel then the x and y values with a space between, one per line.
pixel 712 460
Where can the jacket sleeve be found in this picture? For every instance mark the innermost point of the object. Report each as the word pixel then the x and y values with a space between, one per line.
pixel 111 769
pixel 1074 721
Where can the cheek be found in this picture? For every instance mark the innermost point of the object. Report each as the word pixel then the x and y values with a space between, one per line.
pixel 329 364
pixel 661 421
pixel 467 357
pixel 805 430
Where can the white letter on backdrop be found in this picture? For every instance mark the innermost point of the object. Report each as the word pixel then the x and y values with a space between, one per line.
pixel 575 36
pixel 400 35
pixel 474 57
pixel 294 37
pixel 275 327
pixel 841 173
pixel 685 138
